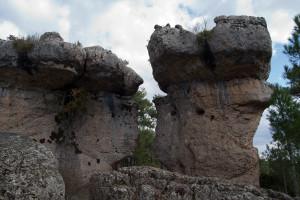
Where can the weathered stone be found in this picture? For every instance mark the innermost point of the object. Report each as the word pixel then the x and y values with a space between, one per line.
pixel 94 142
pixel 145 183
pixel 241 47
pixel 206 129
pixel 132 81
pixel 28 170
pixel 55 64
pixel 104 71
pixel 238 47
pixel 216 94
pixel 175 57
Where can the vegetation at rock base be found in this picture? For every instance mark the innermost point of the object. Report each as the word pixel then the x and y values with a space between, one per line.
pixel 24 45
pixel 147 115
pixel 280 163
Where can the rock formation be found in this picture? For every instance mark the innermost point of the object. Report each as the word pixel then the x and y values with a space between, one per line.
pixel 216 88
pixel 151 183
pixel 28 170
pixel 76 101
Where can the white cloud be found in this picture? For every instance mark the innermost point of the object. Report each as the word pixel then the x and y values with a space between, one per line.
pixel 244 7
pixel 280 26
pixel 7 28
pixel 127 27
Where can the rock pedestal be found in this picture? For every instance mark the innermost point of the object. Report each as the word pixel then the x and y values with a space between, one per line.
pixel 35 89
pixel 216 95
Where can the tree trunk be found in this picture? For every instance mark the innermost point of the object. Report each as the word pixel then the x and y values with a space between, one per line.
pixel 284 179
pixel 293 169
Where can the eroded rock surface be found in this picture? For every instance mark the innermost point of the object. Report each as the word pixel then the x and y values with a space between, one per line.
pixel 216 95
pixel 152 183
pixel 28 170
pixel 33 98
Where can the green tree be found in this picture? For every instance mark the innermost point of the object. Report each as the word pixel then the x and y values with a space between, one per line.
pixel 147 115
pixel 284 117
pixel 292 50
pixel 273 168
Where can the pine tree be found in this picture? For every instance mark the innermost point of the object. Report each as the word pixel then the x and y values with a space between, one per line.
pixel 284 119
pixel 292 50
pixel 144 154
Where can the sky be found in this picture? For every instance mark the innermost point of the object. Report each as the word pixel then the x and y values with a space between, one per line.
pixel 125 27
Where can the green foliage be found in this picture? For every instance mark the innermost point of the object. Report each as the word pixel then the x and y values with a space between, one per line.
pixel 143 154
pixel 284 117
pixel 24 45
pixel 147 113
pixel 292 50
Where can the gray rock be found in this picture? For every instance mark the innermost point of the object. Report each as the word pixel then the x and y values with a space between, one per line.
pixel 175 57
pixel 238 47
pixel 147 183
pixel 55 64
pixel 28 170
pixel 241 47
pixel 132 81
pixel 104 71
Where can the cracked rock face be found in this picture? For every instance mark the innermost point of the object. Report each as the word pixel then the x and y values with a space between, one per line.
pixel 216 93
pixel 152 183
pixel 28 170
pixel 35 89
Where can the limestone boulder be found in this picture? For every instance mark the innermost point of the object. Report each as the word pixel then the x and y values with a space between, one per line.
pixel 241 47
pixel 152 183
pixel 206 129
pixel 28 170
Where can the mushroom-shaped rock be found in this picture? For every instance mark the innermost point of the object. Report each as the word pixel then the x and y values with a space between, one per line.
pixel 28 170
pixel 241 47
pixel 216 88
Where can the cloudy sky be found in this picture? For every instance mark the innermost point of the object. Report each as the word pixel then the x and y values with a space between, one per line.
pixel 125 26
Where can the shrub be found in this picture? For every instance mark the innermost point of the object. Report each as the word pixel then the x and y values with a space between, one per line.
pixel 24 45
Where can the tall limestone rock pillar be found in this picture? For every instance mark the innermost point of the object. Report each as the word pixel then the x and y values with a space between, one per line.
pixel 216 92
pixel 88 130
